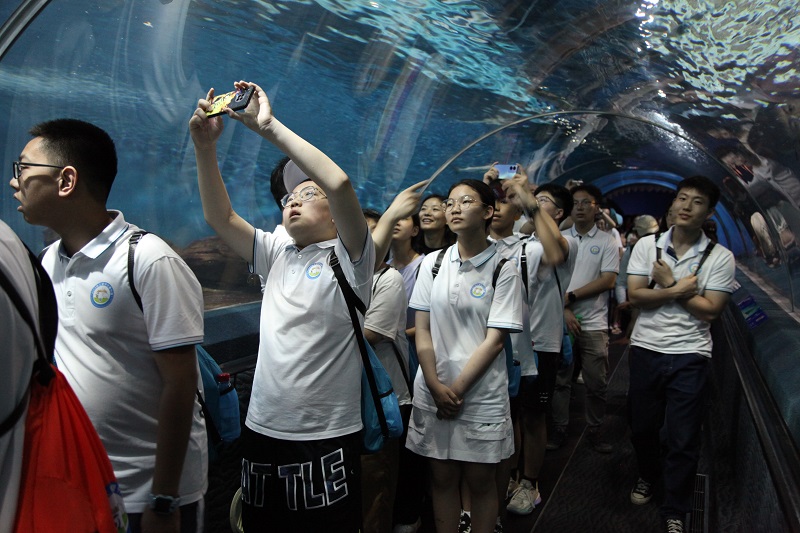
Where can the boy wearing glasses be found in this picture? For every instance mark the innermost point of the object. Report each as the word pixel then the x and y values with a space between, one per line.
pixel 595 273
pixel 549 260
pixel 301 442
pixel 134 368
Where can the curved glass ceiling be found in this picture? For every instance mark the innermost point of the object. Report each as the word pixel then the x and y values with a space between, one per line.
pixel 624 92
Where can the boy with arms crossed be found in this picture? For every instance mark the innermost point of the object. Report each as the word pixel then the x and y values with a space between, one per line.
pixel 679 291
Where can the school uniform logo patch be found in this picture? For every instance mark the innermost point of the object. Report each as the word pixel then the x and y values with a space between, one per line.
pixel 478 290
pixel 693 268
pixel 314 270
pixel 102 294
pixel 595 250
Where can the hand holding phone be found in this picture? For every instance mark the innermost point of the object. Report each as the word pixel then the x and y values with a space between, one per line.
pixel 235 100
pixel 506 171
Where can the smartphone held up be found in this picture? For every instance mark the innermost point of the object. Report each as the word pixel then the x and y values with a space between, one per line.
pixel 506 172
pixel 235 100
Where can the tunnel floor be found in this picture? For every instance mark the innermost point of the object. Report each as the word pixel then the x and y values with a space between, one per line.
pixel 582 490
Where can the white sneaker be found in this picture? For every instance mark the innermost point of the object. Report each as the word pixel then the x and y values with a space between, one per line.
pixel 512 486
pixel 525 499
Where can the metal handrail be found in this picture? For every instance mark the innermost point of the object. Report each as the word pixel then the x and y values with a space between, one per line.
pixel 780 451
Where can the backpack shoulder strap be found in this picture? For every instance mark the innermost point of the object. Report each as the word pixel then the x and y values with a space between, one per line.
pixel 354 303
pixel 523 266
pixel 44 338
pixel 437 265
pixel 706 253
pixel 497 270
pixel 658 256
pixel 133 241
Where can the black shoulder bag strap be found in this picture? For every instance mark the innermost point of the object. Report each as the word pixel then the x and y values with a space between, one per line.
pixel 437 265
pixel 354 303
pixel 523 266
pixel 48 325
pixel 703 258
pixel 133 241
pixel 397 355
pixel 706 253
pixel 658 257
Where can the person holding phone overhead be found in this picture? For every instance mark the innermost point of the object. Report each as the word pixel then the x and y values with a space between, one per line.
pixel 301 443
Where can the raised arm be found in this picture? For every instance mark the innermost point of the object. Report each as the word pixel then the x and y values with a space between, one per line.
pixel 217 209
pixel 346 211
pixel 555 245
pixel 403 206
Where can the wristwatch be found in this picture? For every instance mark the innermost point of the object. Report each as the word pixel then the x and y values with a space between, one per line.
pixel 163 504
pixel 571 297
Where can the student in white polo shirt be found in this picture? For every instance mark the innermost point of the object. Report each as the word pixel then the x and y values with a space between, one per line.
pixel 133 369
pixel 680 282
pixel 461 416
pixel 586 297
pixel 301 443
pixel 16 365
pixel 549 258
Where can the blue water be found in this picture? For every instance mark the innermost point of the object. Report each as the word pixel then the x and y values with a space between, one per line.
pixel 389 89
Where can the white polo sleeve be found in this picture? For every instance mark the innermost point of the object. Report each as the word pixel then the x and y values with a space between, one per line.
pixel 388 300
pixel 722 270
pixel 421 297
pixel 642 257
pixel 172 298
pixel 610 261
pixel 506 310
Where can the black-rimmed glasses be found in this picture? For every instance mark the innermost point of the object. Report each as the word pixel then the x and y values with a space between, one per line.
pixel 546 199
pixel 306 194
pixel 17 166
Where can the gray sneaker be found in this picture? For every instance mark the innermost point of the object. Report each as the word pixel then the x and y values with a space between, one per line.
pixel 674 525
pixel 525 499
pixel 642 492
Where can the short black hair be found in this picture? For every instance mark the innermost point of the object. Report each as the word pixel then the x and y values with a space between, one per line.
pixel 276 185
pixel 560 194
pixel 373 214
pixel 484 192
pixel 591 190
pixel 704 185
pixel 86 147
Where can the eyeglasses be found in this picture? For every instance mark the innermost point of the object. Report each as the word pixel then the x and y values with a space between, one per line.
pixel 547 200
pixel 584 203
pixel 464 203
pixel 17 167
pixel 306 194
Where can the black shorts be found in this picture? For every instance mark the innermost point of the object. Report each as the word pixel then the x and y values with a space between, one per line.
pixel 535 395
pixel 301 486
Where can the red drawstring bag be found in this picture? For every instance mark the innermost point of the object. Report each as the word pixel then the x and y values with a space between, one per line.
pixel 67 481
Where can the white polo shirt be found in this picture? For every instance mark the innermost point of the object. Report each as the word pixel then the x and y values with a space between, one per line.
pixel 105 348
pixel 670 328
pixel 545 299
pixel 16 365
pixel 511 248
pixel 387 316
pixel 598 252
pixel 462 306
pixel 307 382
pixel 409 273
